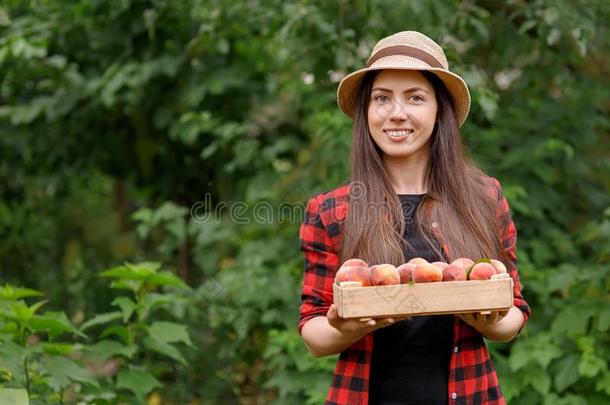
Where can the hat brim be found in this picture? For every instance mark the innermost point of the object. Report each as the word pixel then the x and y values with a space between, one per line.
pixel 347 93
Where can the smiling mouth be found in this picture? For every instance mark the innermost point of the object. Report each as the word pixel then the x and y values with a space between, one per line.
pixel 398 133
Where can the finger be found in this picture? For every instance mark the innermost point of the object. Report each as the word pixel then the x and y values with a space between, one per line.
pixel 499 316
pixel 386 322
pixel 372 322
pixel 364 319
pixel 332 313
pixel 492 318
pixel 465 317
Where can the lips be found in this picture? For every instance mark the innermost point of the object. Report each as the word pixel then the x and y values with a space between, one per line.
pixel 398 132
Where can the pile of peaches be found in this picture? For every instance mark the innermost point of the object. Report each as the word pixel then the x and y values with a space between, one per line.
pixel 418 270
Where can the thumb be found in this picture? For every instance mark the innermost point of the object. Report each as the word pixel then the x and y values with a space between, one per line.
pixel 332 312
pixel 332 316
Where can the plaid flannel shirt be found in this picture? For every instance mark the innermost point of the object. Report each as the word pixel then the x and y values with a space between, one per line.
pixel 472 377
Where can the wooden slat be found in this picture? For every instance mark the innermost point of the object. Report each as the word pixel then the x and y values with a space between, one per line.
pixel 424 298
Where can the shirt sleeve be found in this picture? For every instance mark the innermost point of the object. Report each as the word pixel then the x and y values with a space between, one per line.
pixel 321 263
pixel 509 240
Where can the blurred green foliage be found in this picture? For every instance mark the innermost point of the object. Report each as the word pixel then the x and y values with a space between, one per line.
pixel 57 362
pixel 192 132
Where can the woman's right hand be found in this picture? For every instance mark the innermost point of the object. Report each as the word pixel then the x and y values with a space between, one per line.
pixel 358 328
pixel 325 336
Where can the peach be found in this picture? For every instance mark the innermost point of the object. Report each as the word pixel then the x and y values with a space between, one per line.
pixel 498 265
pixel 406 272
pixel 358 274
pixel 481 271
pixel 340 275
pixel 441 265
pixel 384 274
pixel 463 263
pixel 453 273
pixel 417 260
pixel 427 273
pixel 355 262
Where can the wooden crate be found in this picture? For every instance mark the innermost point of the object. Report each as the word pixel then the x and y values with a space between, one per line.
pixel 424 298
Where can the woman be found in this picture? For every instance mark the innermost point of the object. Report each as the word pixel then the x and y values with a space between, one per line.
pixel 412 194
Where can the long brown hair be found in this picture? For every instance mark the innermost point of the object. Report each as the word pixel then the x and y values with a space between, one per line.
pixel 458 197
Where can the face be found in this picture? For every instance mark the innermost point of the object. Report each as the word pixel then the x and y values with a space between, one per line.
pixel 401 113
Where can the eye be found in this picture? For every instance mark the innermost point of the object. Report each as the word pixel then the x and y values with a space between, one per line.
pixel 417 98
pixel 381 98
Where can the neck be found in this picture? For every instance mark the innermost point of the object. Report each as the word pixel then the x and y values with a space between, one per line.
pixel 407 175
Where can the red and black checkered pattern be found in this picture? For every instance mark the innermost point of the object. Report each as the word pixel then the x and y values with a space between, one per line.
pixel 472 377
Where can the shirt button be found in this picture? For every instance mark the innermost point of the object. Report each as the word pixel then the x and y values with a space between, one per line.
pixel 455 349
pixel 453 395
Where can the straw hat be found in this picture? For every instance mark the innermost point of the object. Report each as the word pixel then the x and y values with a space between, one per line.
pixel 409 50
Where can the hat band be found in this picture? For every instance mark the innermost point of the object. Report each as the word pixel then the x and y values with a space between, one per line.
pixel 406 51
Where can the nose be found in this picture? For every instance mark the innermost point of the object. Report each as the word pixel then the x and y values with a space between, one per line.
pixel 399 112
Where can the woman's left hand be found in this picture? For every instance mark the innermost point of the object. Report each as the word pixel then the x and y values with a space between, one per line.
pixel 480 321
pixel 501 326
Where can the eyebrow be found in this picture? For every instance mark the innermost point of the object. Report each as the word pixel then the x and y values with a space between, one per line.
pixel 411 90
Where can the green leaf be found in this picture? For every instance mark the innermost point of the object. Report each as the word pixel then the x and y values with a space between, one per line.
pixel 108 348
pixel 101 319
pixel 569 399
pixel 20 312
pixel 129 285
pixel 562 279
pixel 141 271
pixel 120 331
pixel 545 354
pixel 209 150
pixel 139 382
pixel 62 349
pixel 12 293
pixel 538 379
pixel 11 396
pixel 604 320
pixel 488 101
pixel 519 357
pixel 153 300
pixel 12 357
pixel 568 372
pixel 54 323
pixel 527 25
pixel 164 348
pixel 167 279
pixel 62 371
pixel 127 306
pixel 540 349
pixel 191 125
pixel 170 212
pixel 603 383
pixel 4 21
pixel 571 319
pixel 144 217
pixel 169 332
pixel 590 365
pixel 35 307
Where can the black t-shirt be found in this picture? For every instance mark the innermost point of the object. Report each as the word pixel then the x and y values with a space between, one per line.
pixel 410 362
